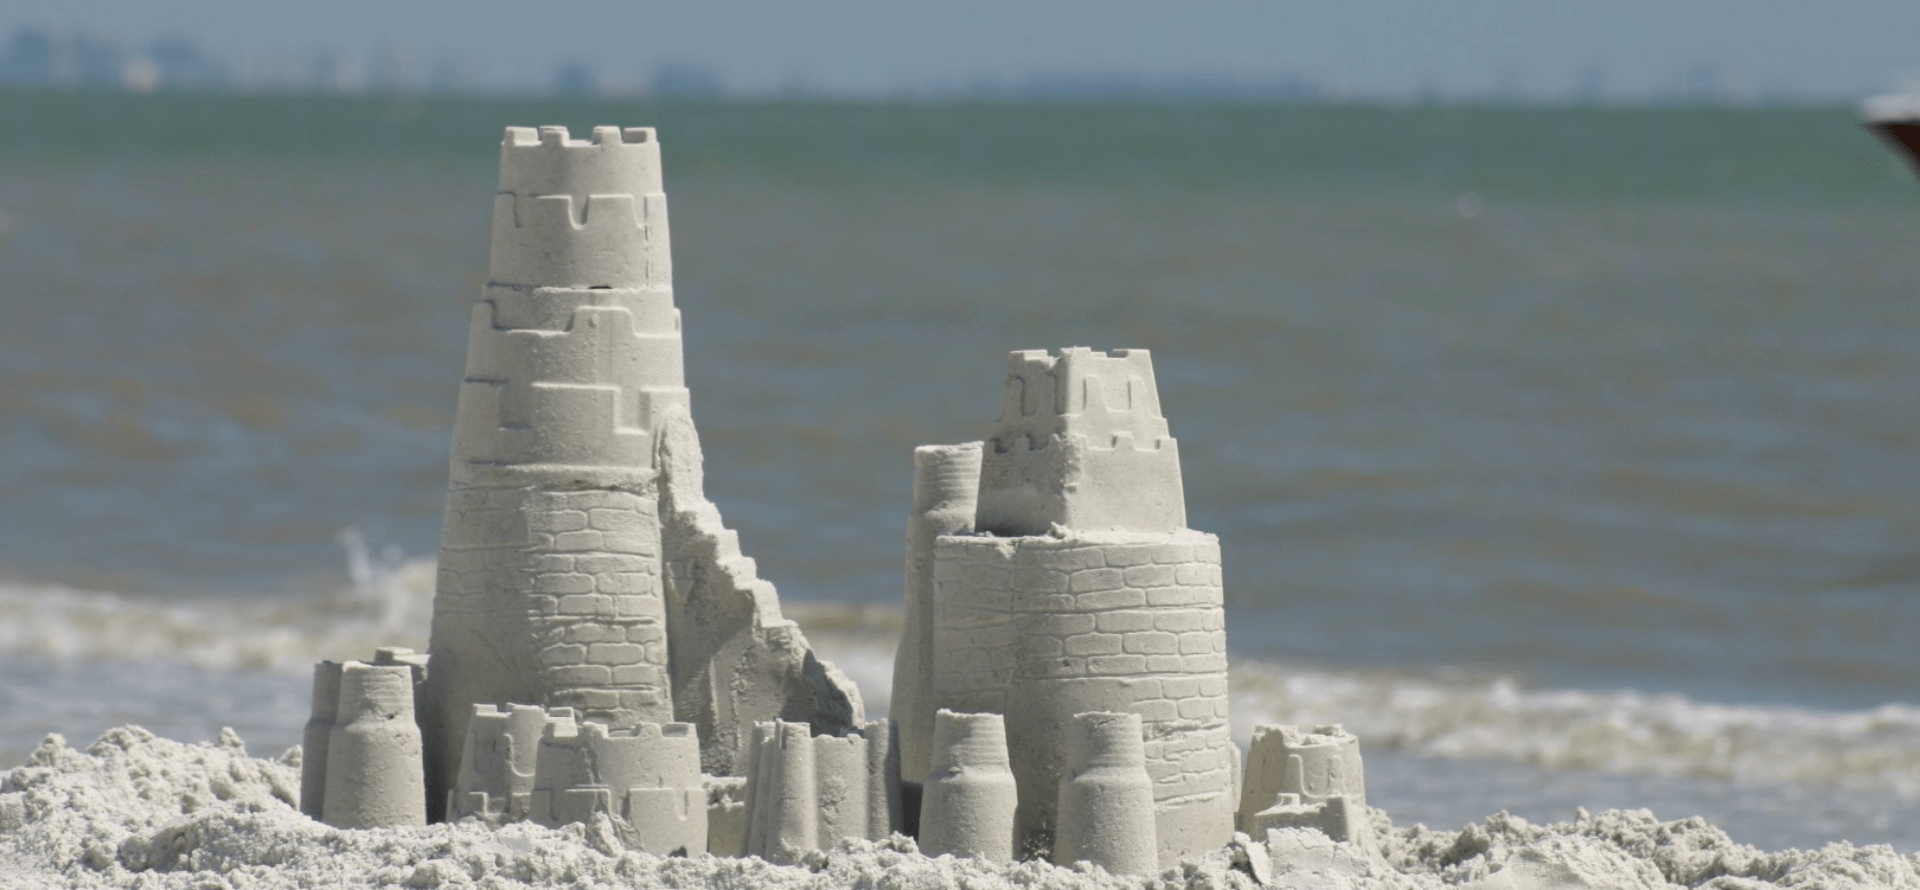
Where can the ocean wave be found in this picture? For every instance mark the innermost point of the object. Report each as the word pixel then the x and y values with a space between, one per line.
pixel 1438 714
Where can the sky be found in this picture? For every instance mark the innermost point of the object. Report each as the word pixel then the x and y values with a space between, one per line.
pixel 1385 48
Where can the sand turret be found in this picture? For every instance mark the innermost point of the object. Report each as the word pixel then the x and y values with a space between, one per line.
pixel 1106 797
pixel 374 775
pixel 1315 765
pixel 969 796
pixel 946 487
pixel 808 792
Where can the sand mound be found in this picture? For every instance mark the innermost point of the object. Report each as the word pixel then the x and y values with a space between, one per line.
pixel 136 810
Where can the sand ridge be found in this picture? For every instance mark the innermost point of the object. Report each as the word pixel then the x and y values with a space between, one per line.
pixel 137 810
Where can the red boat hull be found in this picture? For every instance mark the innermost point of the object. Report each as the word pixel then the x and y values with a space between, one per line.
pixel 1903 137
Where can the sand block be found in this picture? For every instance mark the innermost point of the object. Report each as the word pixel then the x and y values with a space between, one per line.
pixel 1081 444
pixel 1313 765
pixel 726 815
pixel 1335 817
pixel 1306 859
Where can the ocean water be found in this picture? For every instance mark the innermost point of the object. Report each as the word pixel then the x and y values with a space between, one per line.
pixel 1566 455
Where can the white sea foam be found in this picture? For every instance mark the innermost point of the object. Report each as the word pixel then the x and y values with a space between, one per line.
pixel 1615 731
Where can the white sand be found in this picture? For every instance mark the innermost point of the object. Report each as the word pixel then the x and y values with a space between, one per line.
pixel 135 810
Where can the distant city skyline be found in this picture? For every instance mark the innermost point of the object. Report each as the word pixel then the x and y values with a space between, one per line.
pixel 1386 50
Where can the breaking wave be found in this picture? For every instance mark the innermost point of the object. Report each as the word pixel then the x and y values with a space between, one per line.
pixel 387 602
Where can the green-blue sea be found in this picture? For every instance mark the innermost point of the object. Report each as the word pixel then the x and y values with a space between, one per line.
pixel 1569 456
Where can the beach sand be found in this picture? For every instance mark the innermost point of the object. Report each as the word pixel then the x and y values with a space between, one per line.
pixel 137 810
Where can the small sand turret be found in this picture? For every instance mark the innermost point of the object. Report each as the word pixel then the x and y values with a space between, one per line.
pixel 1106 797
pixel 1315 765
pixel 969 797
pixel 374 775
pixel 499 762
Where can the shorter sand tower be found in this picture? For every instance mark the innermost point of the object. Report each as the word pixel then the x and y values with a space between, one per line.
pixel 1078 588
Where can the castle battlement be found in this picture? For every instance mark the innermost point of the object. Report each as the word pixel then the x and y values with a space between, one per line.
pixel 515 307
pixel 580 213
pixel 547 766
pixel 548 161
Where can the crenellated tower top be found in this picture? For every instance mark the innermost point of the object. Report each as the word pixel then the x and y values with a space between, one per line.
pixel 580 213
pixel 1080 444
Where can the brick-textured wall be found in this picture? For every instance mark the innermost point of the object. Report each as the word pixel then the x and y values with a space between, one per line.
pixel 1040 628
pixel 579 571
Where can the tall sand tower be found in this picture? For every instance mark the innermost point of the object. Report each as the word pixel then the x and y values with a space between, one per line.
pixel 581 565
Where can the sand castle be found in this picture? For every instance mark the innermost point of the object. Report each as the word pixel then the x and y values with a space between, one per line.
pixel 600 646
